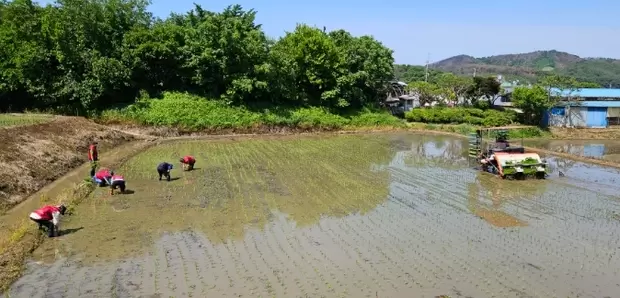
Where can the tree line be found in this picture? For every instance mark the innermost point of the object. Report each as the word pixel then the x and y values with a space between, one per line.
pixel 481 91
pixel 83 56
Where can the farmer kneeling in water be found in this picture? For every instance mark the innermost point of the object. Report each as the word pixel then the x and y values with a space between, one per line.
pixel 116 181
pixel 48 216
pixel 163 169
pixel 188 162
pixel 102 177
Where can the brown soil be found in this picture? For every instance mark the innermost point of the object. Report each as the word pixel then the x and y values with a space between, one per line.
pixel 161 131
pixel 35 155
pixel 612 133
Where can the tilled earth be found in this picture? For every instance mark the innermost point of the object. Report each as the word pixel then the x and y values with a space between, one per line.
pixel 295 225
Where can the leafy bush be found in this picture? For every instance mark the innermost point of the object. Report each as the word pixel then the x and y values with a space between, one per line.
pixel 195 113
pixel 461 115
pixel 375 118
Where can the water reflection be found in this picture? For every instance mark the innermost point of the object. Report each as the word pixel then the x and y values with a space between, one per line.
pixel 436 170
pixel 601 149
pixel 490 197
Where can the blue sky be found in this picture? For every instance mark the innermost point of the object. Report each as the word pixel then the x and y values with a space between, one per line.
pixel 415 29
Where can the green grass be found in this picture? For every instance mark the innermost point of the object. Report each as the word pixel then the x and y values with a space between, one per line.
pixel 23 119
pixel 194 113
pixel 514 134
pixel 458 115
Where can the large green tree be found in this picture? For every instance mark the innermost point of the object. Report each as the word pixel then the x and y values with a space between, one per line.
pixel 455 87
pixel 533 101
pixel 81 56
pixel 333 69
pixel 487 88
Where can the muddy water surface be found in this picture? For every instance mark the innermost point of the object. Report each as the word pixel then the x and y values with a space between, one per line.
pixel 395 215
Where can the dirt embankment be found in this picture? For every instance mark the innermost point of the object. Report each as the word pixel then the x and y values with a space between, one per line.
pixel 35 155
pixel 612 133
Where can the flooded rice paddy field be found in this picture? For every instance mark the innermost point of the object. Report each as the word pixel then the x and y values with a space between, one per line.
pixel 394 215
pixel 600 149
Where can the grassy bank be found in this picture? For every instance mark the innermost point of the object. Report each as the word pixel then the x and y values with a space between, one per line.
pixel 530 132
pixel 8 120
pixel 455 115
pixel 23 238
pixel 192 113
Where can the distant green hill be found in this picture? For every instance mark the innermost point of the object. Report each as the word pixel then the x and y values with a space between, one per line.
pixel 531 66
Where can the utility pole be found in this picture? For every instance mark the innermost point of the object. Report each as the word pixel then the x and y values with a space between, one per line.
pixel 426 71
pixel 474 72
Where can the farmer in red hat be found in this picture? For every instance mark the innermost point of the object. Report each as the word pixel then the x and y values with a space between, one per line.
pixel 188 162
pixel 48 216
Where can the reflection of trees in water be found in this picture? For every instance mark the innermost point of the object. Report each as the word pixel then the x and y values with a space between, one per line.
pixel 430 149
pixel 436 151
pixel 439 147
pixel 561 164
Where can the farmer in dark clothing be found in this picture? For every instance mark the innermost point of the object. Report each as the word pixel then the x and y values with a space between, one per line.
pixel 93 158
pixel 188 162
pixel 48 216
pixel 163 169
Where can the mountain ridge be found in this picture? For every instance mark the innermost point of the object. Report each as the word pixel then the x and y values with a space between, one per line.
pixel 530 66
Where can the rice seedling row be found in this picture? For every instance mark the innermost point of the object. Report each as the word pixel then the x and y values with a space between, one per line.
pixel 293 256
pixel 448 263
pixel 311 282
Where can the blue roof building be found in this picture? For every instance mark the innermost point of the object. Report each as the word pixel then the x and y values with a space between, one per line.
pixel 585 107
pixel 588 93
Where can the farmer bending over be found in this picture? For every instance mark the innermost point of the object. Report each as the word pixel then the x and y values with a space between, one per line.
pixel 48 217
pixel 188 162
pixel 163 169
pixel 102 177
pixel 116 181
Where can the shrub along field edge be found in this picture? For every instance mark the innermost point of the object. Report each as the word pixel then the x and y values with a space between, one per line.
pixel 192 113
pixel 181 113
pixel 519 132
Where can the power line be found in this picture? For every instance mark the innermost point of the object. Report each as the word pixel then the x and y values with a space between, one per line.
pixel 428 58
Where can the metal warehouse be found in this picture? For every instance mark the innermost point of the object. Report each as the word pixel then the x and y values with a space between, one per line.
pixel 587 107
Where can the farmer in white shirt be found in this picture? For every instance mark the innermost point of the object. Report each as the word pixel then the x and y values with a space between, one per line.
pixel 48 217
